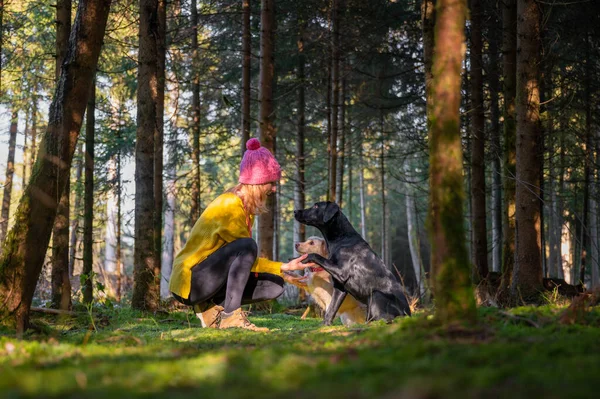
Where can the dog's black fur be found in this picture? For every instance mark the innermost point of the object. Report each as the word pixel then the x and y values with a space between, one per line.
pixel 355 268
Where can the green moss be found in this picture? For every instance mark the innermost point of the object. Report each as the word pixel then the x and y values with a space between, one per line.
pixel 133 354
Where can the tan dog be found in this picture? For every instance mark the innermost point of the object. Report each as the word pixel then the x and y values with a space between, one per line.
pixel 317 282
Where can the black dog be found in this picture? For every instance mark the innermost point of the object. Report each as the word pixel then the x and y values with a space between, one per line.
pixel 355 268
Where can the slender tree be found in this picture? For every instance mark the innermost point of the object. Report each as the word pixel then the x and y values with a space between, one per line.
pixel 195 207
pixel 88 200
pixel 335 98
pixel 76 208
pixel 10 171
pixel 145 279
pixel 266 222
pixel 527 275
pixel 25 247
pixel 478 210
pixel 509 72
pixel 61 284
pixel 449 257
pixel 246 63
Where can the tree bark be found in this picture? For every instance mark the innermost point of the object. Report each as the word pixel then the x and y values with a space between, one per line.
pixel 335 98
pixel 361 183
pixel 246 67
pixel 88 201
pixel 168 249
pixel 61 284
pixel 451 268
pixel 342 149
pixel 428 26
pixel 75 220
pixel 266 222
pixel 119 263
pixel 588 154
pixel 478 210
pixel 300 186
pixel 527 274
pixel 494 83
pixel 509 70
pixel 145 279
pixel 195 189
pixel 10 171
pixel 26 245
pixel 414 243
pixel 159 140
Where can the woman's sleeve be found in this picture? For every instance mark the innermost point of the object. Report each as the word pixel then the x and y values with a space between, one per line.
pixel 264 265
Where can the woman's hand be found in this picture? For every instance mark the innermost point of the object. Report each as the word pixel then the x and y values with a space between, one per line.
pixel 296 264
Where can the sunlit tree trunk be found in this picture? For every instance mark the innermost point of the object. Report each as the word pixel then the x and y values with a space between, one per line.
pixel 10 171
pixel 33 149
pixel 76 209
pixel 61 284
pixel 509 71
pixel 266 222
pixel 25 153
pixel 88 202
pixel 145 279
pixel 527 274
pixel 26 245
pixel 195 190
pixel 414 243
pixel 119 262
pixel 451 269
pixel 110 236
pixel 168 249
pixel 246 67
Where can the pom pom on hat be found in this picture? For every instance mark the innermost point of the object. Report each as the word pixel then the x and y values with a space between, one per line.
pixel 258 165
pixel 253 144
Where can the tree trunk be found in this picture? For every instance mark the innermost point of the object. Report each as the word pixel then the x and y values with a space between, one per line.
pixel 119 263
pixel 509 70
pixel 61 284
pixel 589 154
pixel 527 274
pixel 383 196
pixel 168 250
pixel 361 183
pixel 266 222
pixel 494 83
pixel 25 248
pixel 88 202
pixel 246 65
pixel 451 268
pixel 335 98
pixel 110 237
pixel 25 153
pixel 195 190
pixel 75 220
pixel 478 210
pixel 414 243
pixel 159 140
pixel 342 149
pixel 300 186
pixel 594 225
pixel 33 150
pixel 10 171
pixel 428 26
pixel 145 279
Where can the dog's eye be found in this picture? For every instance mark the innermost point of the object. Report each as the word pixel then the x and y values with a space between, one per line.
pixel 311 243
pixel 316 206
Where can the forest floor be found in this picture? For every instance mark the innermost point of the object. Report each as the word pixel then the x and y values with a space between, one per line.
pixel 520 353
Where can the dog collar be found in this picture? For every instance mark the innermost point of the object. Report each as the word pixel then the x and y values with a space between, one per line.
pixel 316 269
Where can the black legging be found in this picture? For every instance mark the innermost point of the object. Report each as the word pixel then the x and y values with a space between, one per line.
pixel 225 278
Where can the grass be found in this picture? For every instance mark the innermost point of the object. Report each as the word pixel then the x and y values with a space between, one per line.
pixel 521 354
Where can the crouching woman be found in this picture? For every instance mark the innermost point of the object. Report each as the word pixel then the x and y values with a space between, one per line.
pixel 218 269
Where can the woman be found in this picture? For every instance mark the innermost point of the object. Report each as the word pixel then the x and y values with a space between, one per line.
pixel 218 269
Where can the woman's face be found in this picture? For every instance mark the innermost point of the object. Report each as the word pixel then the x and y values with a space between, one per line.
pixel 270 188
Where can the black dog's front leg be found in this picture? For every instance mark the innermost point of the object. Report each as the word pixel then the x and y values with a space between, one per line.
pixel 336 301
pixel 328 265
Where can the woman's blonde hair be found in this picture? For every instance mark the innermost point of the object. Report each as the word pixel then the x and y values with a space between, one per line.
pixel 254 197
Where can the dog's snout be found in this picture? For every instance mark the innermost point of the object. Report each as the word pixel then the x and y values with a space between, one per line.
pixel 296 245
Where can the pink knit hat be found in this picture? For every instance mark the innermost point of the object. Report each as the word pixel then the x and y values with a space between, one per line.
pixel 258 166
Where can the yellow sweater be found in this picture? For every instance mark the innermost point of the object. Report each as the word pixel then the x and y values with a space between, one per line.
pixel 223 221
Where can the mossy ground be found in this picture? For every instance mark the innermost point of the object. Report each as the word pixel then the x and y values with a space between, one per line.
pixel 522 354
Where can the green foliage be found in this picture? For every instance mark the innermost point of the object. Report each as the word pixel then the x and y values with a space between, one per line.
pixel 520 354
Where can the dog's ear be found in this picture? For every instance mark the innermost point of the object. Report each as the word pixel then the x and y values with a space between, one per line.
pixel 330 211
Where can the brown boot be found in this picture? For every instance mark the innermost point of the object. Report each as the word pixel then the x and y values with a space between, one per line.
pixel 239 319
pixel 208 317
